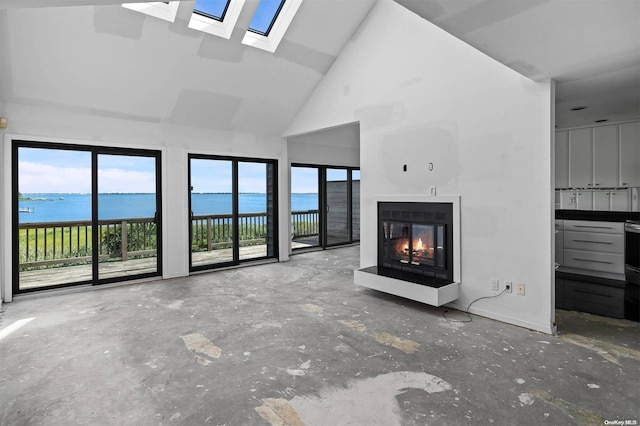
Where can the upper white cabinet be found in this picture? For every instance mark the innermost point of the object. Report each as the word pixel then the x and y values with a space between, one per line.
pixel 605 156
pixel 630 154
pixel 581 158
pixel 598 157
pixel 562 159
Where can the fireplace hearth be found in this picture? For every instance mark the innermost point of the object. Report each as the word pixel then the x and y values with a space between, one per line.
pixel 418 249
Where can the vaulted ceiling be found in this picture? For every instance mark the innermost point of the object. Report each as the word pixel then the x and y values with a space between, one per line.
pixel 95 57
pixel 110 61
pixel 590 47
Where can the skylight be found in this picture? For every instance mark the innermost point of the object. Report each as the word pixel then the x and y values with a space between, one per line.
pixel 217 17
pixel 165 10
pixel 215 9
pixel 269 23
pixel 265 15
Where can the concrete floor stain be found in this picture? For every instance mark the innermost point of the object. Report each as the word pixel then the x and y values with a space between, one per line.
pixel 370 401
pixel 608 351
pixel 579 414
pixel 201 345
pixel 314 309
pixel 355 324
pixel 405 345
pixel 278 412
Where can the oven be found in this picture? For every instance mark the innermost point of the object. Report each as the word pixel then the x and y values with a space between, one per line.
pixel 632 270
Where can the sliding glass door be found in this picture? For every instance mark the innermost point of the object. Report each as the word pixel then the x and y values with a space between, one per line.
pixel 305 202
pixel 212 212
pixel 84 215
pixel 325 206
pixel 337 207
pixel 53 232
pixel 127 215
pixel 233 210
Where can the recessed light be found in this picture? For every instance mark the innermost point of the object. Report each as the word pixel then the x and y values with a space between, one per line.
pixel 601 121
pixel 580 108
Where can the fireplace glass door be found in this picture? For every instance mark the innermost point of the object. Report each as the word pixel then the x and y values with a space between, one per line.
pixel 416 245
pixel 396 241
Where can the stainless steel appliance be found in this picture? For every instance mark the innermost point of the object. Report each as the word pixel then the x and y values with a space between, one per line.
pixel 632 270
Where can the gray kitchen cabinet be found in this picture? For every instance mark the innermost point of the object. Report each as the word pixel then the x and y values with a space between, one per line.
pixel 605 156
pixel 559 235
pixel 581 158
pixel 592 248
pixel 562 159
pixel 598 157
pixel 630 154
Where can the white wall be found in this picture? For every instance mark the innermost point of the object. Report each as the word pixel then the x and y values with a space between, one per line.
pixel 337 146
pixel 176 142
pixel 422 96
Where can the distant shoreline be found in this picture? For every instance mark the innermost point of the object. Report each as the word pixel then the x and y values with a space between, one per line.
pixel 40 194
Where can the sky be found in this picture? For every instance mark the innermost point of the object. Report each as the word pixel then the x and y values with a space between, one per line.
pixel 262 17
pixel 69 171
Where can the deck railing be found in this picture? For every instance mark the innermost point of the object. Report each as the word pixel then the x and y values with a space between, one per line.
pixel 304 223
pixel 47 244
pixel 57 243
pixel 210 232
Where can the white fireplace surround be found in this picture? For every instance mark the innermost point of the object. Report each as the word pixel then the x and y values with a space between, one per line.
pixel 408 290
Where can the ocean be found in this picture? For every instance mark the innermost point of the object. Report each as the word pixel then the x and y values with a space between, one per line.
pixel 65 207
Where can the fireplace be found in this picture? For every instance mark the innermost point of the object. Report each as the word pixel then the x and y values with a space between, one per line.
pixel 415 242
pixel 418 248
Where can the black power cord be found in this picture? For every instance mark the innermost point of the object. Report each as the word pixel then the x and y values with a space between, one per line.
pixel 466 312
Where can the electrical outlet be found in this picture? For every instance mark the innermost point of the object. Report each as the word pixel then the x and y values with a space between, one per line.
pixel 432 190
pixel 495 285
pixel 520 289
pixel 508 286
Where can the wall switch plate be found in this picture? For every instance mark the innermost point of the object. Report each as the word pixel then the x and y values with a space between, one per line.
pixel 520 289
pixel 495 285
pixel 508 286
pixel 432 190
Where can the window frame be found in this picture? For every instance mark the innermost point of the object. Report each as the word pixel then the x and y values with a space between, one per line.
pixel 166 11
pixel 277 30
pixel 220 28
pixel 273 20
pixel 274 254
pixel 208 15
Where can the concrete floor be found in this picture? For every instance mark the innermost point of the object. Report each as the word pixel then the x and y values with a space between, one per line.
pixel 297 343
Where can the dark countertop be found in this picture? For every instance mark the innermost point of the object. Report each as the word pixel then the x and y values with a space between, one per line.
pixel 597 215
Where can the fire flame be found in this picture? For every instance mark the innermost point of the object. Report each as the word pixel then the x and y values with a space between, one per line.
pixel 418 247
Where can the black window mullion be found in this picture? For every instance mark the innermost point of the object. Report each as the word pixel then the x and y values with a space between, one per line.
pixel 158 214
pixel 322 176
pixel 95 237
pixel 349 206
pixel 235 208
pixel 15 219
pixel 190 212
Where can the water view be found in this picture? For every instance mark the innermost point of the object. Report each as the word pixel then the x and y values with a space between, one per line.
pixel 61 207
